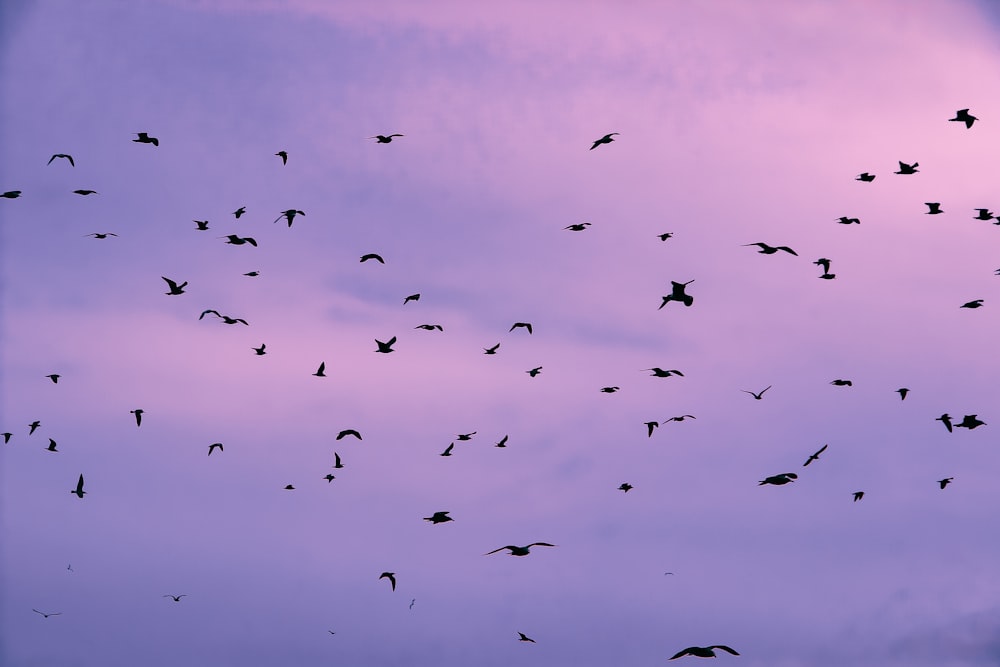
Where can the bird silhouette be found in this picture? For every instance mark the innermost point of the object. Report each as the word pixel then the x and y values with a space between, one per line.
pixel 977 303
pixel 770 250
pixel 677 293
pixel 521 325
pixel 289 487
pixel 520 551
pixel 946 420
pixel 842 383
pixel 984 214
pixel 238 212
pixel 54 377
pixel 202 225
pixel 866 177
pixel 945 482
pixel 284 157
pixel 33 425
pixel 259 351
pixel 447 450
pixel 626 487
pixel 101 235
pixel 757 395
pixel 660 373
pixel 371 255
pixel 233 239
pixel 665 236
pixel 175 598
pixel 679 418
pixel 933 208
pixel 385 347
pixel 963 116
pixel 214 446
pixel 64 156
pixel 329 477
pixel 391 576
pixel 289 215
pixel 52 446
pixel 11 194
pixel 493 350
pixel 252 274
pixel 349 431
pixel 138 415
pixel 385 138
pixel 321 371
pixel 521 637
pixel 843 220
pixel 815 456
pixel 438 517
pixel 702 651
pixel 778 480
pixel 970 422
pixel 579 227
pixel 650 427
pixel 174 288
pixel 85 192
pixel 412 297
pixel 858 495
pixel 336 461
pixel 6 437
pixel 534 371
pixel 52 613
pixel 606 139
pixel 226 319
pixel 609 390
pixel 144 138
pixel 502 442
pixel 907 168
pixel 463 437
pixel 902 391
pixel 429 327
pixel 78 491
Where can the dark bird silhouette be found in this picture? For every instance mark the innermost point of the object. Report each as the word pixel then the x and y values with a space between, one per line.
pixel 679 418
pixel 978 303
pixel 438 517
pixel 984 214
pixel 502 442
pixel 650 427
pixel 138 415
pixel 144 138
pixel 843 220
pixel 579 227
pixel 259 351
pixel 842 383
pixel 175 598
pixel 493 350
pixel 907 168
pixel 970 422
pixel 336 461
pixel 606 139
pixel 6 437
pixel 78 491
pixel 609 390
pixel 521 637
pixel 778 480
pixel 391 576
pixel 963 116
pixel 240 211
pixel 702 651
pixel 371 255
pixel 202 225
pixel 33 425
pixel 226 319
pixel 321 371
pixel 85 192
pixel 447 450
pixel 174 288
pixel 289 487
pixel 660 373
pixel 815 456
pixel 757 395
pixel 54 613
pixel 933 208
pixel 522 325
pixel 626 487
pixel 858 495
pixel 946 481
pixel 214 446
pixel 946 420
pixel 824 263
pixel 329 477
pixel 284 157
pixel 385 138
pixel 534 371
pixel 520 551
pixel 770 250
pixel 866 177
pixel 11 194
pixel 349 431
pixel 902 391
pixel 429 327
pixel 463 437
pixel 289 215
pixel 412 297
pixel 677 293
pixel 233 239
pixel 665 236
pixel 101 235
pixel 252 274
pixel 64 156
pixel 54 377
pixel 52 446
pixel 385 347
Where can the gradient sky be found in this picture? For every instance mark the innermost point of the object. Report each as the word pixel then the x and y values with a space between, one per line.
pixel 739 123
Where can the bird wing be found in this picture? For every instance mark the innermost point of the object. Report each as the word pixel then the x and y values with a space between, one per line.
pixel 681 654
pixel 725 648
pixel 79 484
pixel 540 544
pixel 500 549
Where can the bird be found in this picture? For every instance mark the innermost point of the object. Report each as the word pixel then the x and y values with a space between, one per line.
pixel 907 168
pixel 412 602
pixel 525 638
pixel 534 371
pixel 144 138
pixel 226 319
pixel 464 437
pixel 85 192
pixel 429 327
pixel 64 156
pixel 384 138
pixel 70 567
pixel 385 347
pixel 679 418
pixel 945 482
pixel 289 487
pixel 391 576
pixel 858 495
pixel 214 446
pixel 606 139
pixel 412 297
pixel 289 215
pixel 6 437
pixel 677 293
pixel 977 303
pixel 865 177
pixel 842 383
pixel 259 351
pixel 502 442
pixel 54 377
pixel 320 372
pixel 233 239
pixel 11 194
pixel 252 274
pixel 815 456
pixel 984 214
pixel 778 480
pixel 770 250
pixel 970 422
pixel 609 390
pixel 843 220
pixel 579 227
pixel 53 613
pixel 329 477
pixel 902 391
pixel 174 288
pixel 52 446
pixel 933 208
pixel 824 263
pixel 660 373
pixel 521 325
pixel 238 212
pixel 665 236
pixel 33 425
pixel 175 598
pixel 138 415
pixel 101 235
pixel 493 350
pixel 438 517
pixel 757 395
pixel 963 116
pixel 625 486
pixel 371 255
pixel 520 551
pixel 202 225
pixel 650 426
pixel 78 491
pixel 946 420
pixel 336 461
pixel 703 651
pixel 284 156
pixel 348 431
pixel 447 450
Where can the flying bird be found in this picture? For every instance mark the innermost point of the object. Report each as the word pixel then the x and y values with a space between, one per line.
pixel 233 239
pixel 259 351
pixel 984 214
pixel 289 487
pixel 336 461
pixel 348 431
pixel 321 371
pixel 412 297
pixel 606 139
pixel 866 177
pixel 138 415
pixel 977 303
pixel 54 377
pixel 650 426
pixel 11 194
pixel 778 480
pixel 522 325
pixel 815 456
pixel 534 371
pixel 902 391
pixel 144 138
pixel 963 116
pixel 945 482
pixel 52 446
pixel 502 442
pixel 284 157
pixel 202 225
pixel 438 517
pixel 101 235
pixel 858 495
pixel 252 274
pixel 493 350
pixel 680 418
pixel 385 347
pixel 520 551
pixel 907 168
pixel 609 390
pixel 329 477
pixel 703 651
pixel 174 288
pixel 78 491
pixel 579 227
pixel 391 576
pixel 54 613
pixel 677 293
pixel 289 215
pixel 175 598
pixel 843 220
pixel 970 422
pixel 626 487
pixel 447 450
pixel 466 436
pixel 64 156
pixel 85 192
pixel 524 638
pixel 6 437
pixel 238 212
pixel 946 420
pixel 842 383
pixel 33 425
pixel 214 446
pixel 770 250
pixel 757 395
pixel 665 236
pixel 371 255
pixel 660 373
pixel 429 327
pixel 933 208
pixel 385 139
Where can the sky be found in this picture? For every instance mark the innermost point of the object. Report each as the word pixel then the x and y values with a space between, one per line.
pixel 737 123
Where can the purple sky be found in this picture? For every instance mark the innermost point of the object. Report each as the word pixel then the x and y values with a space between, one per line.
pixel 739 123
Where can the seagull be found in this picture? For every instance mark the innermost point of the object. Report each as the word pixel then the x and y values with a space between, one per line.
pixel 984 214
pixel 55 613
pixel 11 194
pixel 963 116
pixel 238 212
pixel 770 250
pixel 175 289
pixel 843 220
pixel 329 478
pixel 946 420
pixel 7 437
pixel 842 383
pixel 523 325
pixel 385 347
pixel 815 457
pixel 626 487
pixel 606 139
pixel 649 428
pixel 447 450
pixel 289 487
pixel 902 391
pixel 534 371
pixel 202 225
pixel 438 517
pixel 520 551
pixel 289 215
pixel 945 482
pixel 336 461
pixel 907 168
pixel 138 415
pixel 502 442
pixel 284 156
pixel 660 373
pixel 79 488
pixel 465 436
pixel 493 350
pixel 703 651
pixel 778 480
pixel 524 638
pixel 970 422
pixel 230 320
pixel 33 425
pixel 665 236
pixel 866 177
pixel 933 208
pixel 259 350
pixel 391 576
pixel 85 192
pixel 320 372
pixel 54 377
pixel 348 431
pixel 579 227
pixel 101 235
pixel 858 495
pixel 233 239
pixel 679 418
pixel 978 303
pixel 215 445
pixel 757 395
pixel 63 156
pixel 52 446
pixel 371 255
pixel 144 138
pixel 412 297
pixel 677 294
pixel 412 602
pixel 609 390
pixel 429 327
pixel 252 274
pixel 385 139
pixel 176 598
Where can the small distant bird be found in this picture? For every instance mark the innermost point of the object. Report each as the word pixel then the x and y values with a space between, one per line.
pixel 502 442
pixel 866 177
pixel 284 156
pixel 945 482
pixel 429 327
pixel 7 437
pixel 525 638
pixel 259 351
pixel 462 437
pixel 78 491
pixel 289 487
pixel 412 602
pixel 665 236
pixel 391 576
pixel 226 319
pixel 650 426
pixel 842 383
pixel 520 551
pixel 933 207
pixel 336 461
pixel 233 239
pixel 858 495
pixel 385 139
pixel 289 215
pixel 579 227
pixel 778 480
pixel 252 274
pixel 606 139
pixel 385 347
pixel 946 420
pixel 176 598
pixel 349 431
pixel 677 293
pixel 963 116
pixel 85 192
pixel 371 255
pixel 101 235
pixel 522 325
pixel 984 214
pixel 679 418
pixel 493 350
pixel 321 371
pixel 54 377
pixel 238 212
pixel 660 373
pixel 757 395
pixel 907 168
pixel 70 567
pixel 329 477
pixel 843 220
pixel 770 250
pixel 970 422
pixel 626 487
pixel 815 456
pixel 174 288
pixel 703 651
pixel 11 194
pixel 609 390
pixel 33 425
pixel 63 156
pixel 138 415
pixel 902 391
pixel 202 225
pixel 978 303
pixel 534 371
pixel 54 613
pixel 144 138
pixel 412 297
pixel 447 450
pixel 438 517
pixel 214 446
pixel 52 446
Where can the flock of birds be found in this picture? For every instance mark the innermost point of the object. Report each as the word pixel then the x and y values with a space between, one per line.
pixel 678 294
